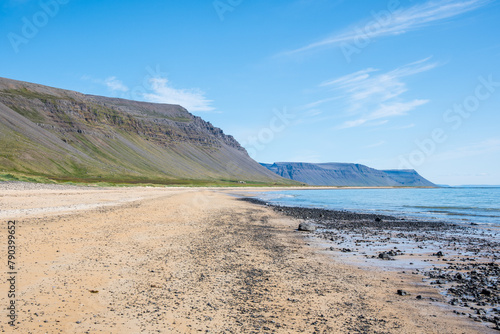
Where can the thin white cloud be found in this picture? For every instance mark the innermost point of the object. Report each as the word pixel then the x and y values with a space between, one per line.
pixel 313 112
pixel 157 90
pixel 377 144
pixel 115 85
pixel 191 99
pixel 489 146
pixel 385 111
pixel 396 109
pixel 350 79
pixel 319 102
pixel 398 22
pixel 112 83
pixel 369 84
pixel 371 94
pixel 376 95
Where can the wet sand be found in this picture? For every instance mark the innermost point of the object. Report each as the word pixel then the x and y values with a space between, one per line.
pixel 186 260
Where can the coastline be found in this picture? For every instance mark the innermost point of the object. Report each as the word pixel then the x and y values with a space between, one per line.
pixel 190 260
pixel 460 261
pixel 458 205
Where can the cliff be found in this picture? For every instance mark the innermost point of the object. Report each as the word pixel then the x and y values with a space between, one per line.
pixel 347 174
pixel 65 135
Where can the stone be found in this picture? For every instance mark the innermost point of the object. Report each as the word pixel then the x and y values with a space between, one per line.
pixel 402 292
pixel 486 292
pixel 307 227
pixel 384 256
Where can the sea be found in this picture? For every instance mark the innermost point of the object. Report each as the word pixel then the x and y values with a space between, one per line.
pixel 463 205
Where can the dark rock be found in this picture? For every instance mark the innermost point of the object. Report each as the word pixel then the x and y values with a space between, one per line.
pixel 307 227
pixel 402 292
pixel 392 253
pixel 486 292
pixel 385 256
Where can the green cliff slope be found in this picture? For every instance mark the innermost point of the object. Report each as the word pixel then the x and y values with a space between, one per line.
pixel 65 135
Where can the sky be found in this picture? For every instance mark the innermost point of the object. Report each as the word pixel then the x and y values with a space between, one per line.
pixel 389 84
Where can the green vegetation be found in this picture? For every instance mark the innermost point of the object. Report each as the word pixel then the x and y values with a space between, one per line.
pixel 30 114
pixel 29 94
pixel 97 141
pixel 24 178
pixel 130 182
pixel 179 119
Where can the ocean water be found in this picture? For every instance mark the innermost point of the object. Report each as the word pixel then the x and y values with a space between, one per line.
pixel 479 205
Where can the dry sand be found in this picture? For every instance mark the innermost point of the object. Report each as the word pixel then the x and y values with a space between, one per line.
pixel 184 260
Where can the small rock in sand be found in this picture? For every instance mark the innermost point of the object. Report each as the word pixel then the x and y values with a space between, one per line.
pixel 486 292
pixel 385 256
pixel 402 292
pixel 308 227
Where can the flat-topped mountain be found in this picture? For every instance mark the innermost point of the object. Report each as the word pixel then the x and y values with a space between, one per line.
pixel 347 174
pixel 66 135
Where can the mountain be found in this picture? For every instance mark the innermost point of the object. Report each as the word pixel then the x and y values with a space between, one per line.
pixel 346 174
pixel 408 177
pixel 65 135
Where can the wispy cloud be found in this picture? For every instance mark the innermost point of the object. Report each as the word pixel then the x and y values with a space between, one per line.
pixel 158 90
pixel 376 95
pixel 191 99
pixel 385 111
pixel 313 112
pixel 319 102
pixel 488 146
pixel 377 144
pixel 115 85
pixel 398 22
pixel 369 83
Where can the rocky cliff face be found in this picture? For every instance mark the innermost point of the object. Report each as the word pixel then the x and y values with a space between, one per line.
pixel 346 174
pixel 68 135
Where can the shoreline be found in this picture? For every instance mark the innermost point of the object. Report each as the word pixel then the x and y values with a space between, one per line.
pixel 193 260
pixel 452 217
pixel 225 187
pixel 460 261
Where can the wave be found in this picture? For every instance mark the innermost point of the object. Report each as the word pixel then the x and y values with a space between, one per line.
pixel 472 208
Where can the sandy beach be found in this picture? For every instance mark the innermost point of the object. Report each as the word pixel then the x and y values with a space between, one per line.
pixel 190 260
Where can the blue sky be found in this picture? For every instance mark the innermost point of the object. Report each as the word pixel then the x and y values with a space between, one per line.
pixel 389 84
